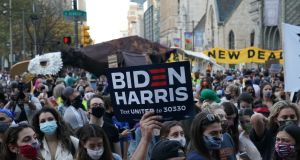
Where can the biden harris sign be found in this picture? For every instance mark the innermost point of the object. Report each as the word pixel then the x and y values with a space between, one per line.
pixel 165 89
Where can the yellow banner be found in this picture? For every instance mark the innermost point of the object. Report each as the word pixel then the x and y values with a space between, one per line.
pixel 246 55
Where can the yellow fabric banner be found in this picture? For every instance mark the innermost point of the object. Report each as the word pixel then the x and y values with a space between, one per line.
pixel 246 55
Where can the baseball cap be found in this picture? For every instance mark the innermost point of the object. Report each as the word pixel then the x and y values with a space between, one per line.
pixel 208 94
pixel 165 149
pixel 68 91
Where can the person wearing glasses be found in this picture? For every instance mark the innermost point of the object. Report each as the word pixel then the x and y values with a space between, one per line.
pixel 96 111
pixel 206 138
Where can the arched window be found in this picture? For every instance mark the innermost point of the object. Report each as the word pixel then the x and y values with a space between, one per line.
pixel 252 38
pixel 231 40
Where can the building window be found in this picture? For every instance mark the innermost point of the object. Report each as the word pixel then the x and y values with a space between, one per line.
pixel 231 40
pixel 252 38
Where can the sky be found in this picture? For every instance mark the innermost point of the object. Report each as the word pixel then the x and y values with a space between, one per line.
pixel 106 18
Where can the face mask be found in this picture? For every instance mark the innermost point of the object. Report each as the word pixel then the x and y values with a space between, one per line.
pixel 212 142
pixel 277 94
pixel 247 128
pixel 181 140
pixel 268 94
pixel 98 111
pixel 30 151
pixel 49 127
pixel 95 154
pixel 77 103
pixel 228 96
pixel 88 96
pixel 284 150
pixel 287 122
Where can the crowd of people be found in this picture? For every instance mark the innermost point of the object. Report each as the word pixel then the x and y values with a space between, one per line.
pixel 238 115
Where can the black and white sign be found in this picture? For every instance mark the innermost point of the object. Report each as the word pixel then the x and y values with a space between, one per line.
pixel 165 89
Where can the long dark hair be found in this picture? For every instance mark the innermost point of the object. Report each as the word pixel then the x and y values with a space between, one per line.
pixel 294 131
pixel 11 138
pixel 230 109
pixel 199 125
pixel 63 132
pixel 90 131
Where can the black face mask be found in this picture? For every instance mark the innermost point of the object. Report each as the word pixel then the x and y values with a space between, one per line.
pixel 98 111
pixel 287 122
pixel 228 96
pixel 77 102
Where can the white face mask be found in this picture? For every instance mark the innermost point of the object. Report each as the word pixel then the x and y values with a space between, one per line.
pixel 180 140
pixel 88 96
pixel 95 154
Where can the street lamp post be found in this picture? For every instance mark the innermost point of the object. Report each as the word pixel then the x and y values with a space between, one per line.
pixel 75 25
pixel 10 35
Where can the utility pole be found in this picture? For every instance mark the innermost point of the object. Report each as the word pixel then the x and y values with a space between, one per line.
pixel 10 35
pixel 75 25
pixel 23 34
pixel 34 18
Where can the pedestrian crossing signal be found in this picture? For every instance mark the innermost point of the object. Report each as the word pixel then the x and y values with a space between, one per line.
pixel 67 40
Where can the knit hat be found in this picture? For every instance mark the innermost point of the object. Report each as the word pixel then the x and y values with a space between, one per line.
pixel 166 149
pixel 208 94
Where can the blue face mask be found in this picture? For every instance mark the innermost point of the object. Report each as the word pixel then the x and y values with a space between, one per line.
pixel 212 142
pixel 49 127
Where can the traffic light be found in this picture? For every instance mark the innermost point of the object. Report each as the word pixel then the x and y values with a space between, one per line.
pixel 67 40
pixel 85 36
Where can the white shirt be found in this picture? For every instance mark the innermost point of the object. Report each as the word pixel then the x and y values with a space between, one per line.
pixel 60 154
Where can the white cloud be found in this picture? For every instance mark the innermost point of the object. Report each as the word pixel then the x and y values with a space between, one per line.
pixel 106 18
